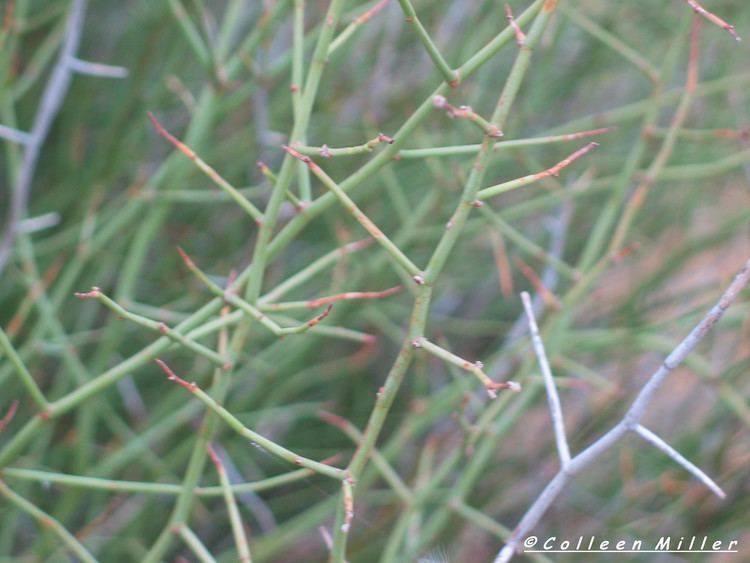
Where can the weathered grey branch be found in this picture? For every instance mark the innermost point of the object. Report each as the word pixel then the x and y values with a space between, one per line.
pixel 96 69
pixel 630 423
pixel 52 98
pixel 660 444
pixel 553 398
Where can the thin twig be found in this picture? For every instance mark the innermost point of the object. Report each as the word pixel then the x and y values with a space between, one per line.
pixel 528 272
pixel 474 368
pixel 46 522
pixel 51 101
pixel 660 444
pixel 14 135
pixel 97 69
pixel 531 178
pixel 553 398
pixel 465 112
pixel 713 18
pixel 214 176
pixel 5 420
pixel 320 301
pixel 520 35
pixel 393 251
pixel 450 76
pixel 359 21
pixel 243 551
pixel 194 543
pixel 630 421
pixel 240 303
pixel 158 327
pixel 268 445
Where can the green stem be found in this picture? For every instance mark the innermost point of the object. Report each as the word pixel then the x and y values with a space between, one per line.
pixel 47 522
pixel 450 76
pixel 417 322
pixel 26 379
pixel 271 214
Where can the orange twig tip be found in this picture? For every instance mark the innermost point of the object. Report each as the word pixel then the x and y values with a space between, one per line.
pixel 93 294
pixel 520 35
pixel 185 258
pixel 315 320
pixel 9 415
pixel 172 376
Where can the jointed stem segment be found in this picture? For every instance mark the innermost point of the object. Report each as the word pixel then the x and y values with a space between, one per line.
pixel 268 445
pixel 474 368
pixel 398 257
pixel 215 177
pixel 231 298
pixel 158 327
pixel 555 170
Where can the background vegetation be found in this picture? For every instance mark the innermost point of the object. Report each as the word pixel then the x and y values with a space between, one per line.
pixel 114 462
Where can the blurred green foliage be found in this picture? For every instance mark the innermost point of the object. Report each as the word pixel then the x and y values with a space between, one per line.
pixel 123 194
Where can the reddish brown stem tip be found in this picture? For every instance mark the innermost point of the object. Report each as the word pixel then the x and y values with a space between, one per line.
pixel 9 415
pixel 93 294
pixel 215 458
pixel 172 376
pixel 185 258
pixel 315 303
pixel 299 156
pixel 520 35
pixel 713 18
pixel 333 419
pixel 315 320
pixel 555 170
pixel 187 151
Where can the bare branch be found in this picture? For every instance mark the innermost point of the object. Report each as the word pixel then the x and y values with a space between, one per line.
pixel 14 135
pixel 713 18
pixel 52 98
pixel 89 68
pixel 552 397
pixel 630 422
pixel 660 444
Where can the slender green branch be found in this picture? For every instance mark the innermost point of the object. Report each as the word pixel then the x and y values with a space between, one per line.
pixel 23 373
pixel 146 488
pixel 359 21
pixel 298 61
pixel 449 75
pixel 475 368
pixel 238 531
pixel 159 327
pixel 269 445
pixel 418 319
pixel 327 152
pixel 47 522
pixel 233 192
pixel 611 41
pixel 532 178
pixel 529 246
pixel 313 268
pixel 287 234
pixel 458 150
pixel 467 113
pixel 246 307
pixel 378 459
pixel 194 543
pixel 321 301
pixel 399 258
pixel 271 214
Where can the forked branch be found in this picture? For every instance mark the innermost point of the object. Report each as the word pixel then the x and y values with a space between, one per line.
pixel 629 423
